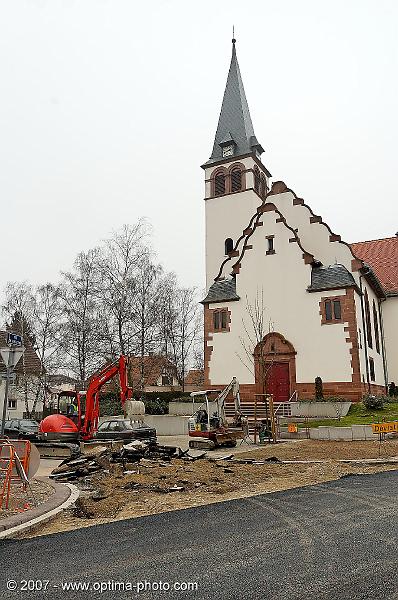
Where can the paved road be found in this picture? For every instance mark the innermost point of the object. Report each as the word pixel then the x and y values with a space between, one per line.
pixel 330 541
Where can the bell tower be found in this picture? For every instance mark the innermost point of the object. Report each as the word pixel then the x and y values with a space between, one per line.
pixel 236 180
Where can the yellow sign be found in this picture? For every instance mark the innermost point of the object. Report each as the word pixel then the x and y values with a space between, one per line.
pixel 385 427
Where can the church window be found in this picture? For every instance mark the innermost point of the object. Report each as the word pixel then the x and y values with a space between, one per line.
pixel 367 321
pixel 270 245
pixel 376 327
pixel 263 186
pixel 372 369
pixel 257 180
pixel 219 184
pixel 229 245
pixel 236 180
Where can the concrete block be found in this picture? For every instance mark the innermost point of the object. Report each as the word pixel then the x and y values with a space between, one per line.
pixel 168 424
pixel 325 410
pixel 341 433
pixel 323 433
pixel 358 432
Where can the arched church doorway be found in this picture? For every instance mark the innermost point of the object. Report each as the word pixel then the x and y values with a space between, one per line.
pixel 275 367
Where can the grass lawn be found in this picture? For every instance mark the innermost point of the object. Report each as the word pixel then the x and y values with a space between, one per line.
pixel 359 415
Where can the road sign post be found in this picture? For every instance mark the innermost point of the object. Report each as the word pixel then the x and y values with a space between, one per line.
pixel 10 356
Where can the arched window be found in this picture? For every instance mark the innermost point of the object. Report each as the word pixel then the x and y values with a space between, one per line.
pixel 263 186
pixel 219 184
pixel 236 179
pixel 229 245
pixel 257 180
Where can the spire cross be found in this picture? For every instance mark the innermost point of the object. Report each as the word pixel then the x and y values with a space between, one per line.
pixel 233 35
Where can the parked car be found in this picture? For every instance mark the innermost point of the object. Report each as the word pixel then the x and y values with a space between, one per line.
pixel 124 429
pixel 26 429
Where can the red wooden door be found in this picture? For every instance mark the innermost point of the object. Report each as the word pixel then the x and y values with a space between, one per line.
pixel 278 381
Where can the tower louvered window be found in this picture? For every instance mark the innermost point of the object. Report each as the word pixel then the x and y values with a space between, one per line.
pixel 236 180
pixel 219 184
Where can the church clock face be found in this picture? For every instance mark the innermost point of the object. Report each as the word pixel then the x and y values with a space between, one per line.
pixel 227 151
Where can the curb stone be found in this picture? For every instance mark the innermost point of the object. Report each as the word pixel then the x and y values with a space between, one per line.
pixel 64 496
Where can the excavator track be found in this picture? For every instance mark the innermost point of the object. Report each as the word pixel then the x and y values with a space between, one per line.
pixel 57 450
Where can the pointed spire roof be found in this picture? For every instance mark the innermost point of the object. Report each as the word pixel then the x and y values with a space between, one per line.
pixel 234 125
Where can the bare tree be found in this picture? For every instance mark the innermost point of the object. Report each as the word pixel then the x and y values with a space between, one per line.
pixel 182 330
pixel 119 262
pixel 78 335
pixel 256 327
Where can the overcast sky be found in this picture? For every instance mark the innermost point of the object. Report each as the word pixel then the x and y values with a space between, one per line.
pixel 109 107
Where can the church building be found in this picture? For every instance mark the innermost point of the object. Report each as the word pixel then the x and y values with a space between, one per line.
pixel 288 301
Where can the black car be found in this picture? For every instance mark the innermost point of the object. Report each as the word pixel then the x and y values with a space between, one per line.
pixel 25 429
pixel 124 429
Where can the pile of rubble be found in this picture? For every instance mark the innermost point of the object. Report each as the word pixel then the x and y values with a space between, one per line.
pixel 101 458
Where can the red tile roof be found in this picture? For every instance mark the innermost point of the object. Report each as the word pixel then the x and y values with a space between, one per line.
pixel 382 256
pixel 195 377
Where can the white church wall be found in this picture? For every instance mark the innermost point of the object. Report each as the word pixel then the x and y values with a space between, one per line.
pixel 322 350
pixel 315 237
pixel 390 322
pixel 226 217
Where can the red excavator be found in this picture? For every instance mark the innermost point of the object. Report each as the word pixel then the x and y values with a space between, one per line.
pixel 82 408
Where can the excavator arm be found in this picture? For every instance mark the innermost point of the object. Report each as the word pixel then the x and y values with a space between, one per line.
pixel 91 416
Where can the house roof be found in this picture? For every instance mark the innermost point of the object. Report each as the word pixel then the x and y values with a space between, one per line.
pixel 154 367
pixel 195 377
pixel 330 278
pixel 221 291
pixel 234 124
pixel 382 257
pixel 29 364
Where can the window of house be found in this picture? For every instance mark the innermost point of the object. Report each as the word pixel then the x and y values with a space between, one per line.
pixel 367 321
pixel 376 327
pixel 219 184
pixel 332 310
pixel 12 404
pixel 236 180
pixel 257 180
pixel 229 245
pixel 220 320
pixel 372 369
pixel 166 380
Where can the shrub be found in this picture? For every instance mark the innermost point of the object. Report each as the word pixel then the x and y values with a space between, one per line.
pixel 372 402
pixel 318 388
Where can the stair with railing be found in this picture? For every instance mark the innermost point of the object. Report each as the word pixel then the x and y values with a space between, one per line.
pixel 256 412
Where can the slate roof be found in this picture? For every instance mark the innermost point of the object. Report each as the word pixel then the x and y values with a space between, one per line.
pixel 234 122
pixel 330 278
pixel 382 256
pixel 221 291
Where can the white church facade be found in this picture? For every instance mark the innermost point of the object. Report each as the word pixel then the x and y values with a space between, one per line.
pixel 288 301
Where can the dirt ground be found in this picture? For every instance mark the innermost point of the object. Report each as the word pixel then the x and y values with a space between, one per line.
pixel 148 488
pixel 24 499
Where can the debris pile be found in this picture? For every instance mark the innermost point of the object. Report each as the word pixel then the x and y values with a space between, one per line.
pixel 102 459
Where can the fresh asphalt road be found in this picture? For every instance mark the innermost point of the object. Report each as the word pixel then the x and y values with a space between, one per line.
pixel 336 541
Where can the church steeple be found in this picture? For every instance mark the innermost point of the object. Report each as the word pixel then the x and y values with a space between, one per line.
pixel 235 134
